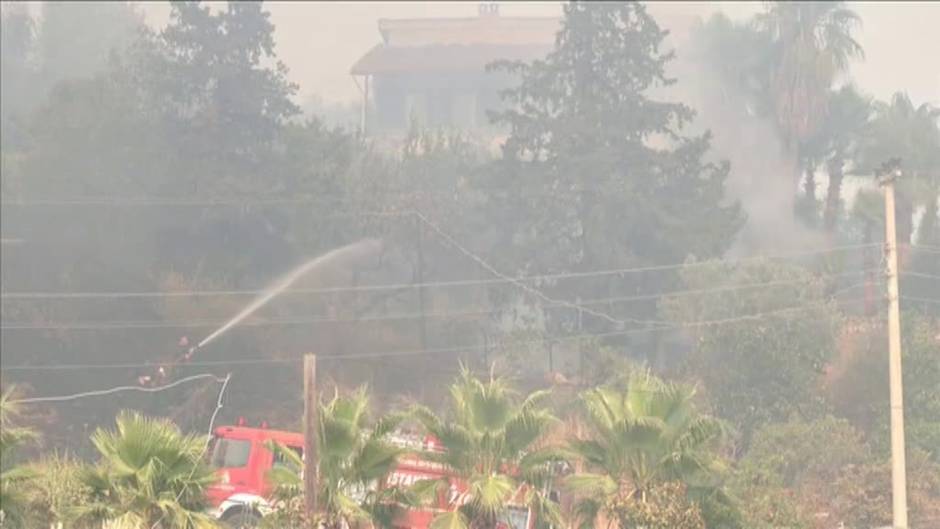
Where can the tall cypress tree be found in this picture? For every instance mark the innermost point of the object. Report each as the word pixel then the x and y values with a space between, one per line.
pixel 595 174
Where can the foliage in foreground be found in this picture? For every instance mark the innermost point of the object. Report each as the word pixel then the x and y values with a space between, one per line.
pixel 664 506
pixel 800 470
pixel 13 479
pixel 778 349
pixel 491 436
pixel 645 443
pixel 149 475
pixel 859 391
pixel 55 490
pixel 355 457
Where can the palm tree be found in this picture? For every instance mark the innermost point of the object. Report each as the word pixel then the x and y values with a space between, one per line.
pixel 641 435
pixel 813 44
pixel 836 142
pixel 355 458
pixel 13 479
pixel 900 129
pixel 491 439
pixel 149 475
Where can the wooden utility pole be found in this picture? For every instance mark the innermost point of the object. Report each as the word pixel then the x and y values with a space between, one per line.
pixel 311 456
pixel 887 175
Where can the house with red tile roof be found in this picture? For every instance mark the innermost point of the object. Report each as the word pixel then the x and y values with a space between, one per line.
pixel 433 70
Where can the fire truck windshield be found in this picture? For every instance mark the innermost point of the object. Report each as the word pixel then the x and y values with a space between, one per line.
pixel 230 453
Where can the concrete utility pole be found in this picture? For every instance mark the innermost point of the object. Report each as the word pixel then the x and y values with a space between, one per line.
pixel 887 175
pixel 311 424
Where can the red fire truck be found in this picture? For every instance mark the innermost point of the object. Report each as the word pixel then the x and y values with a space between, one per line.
pixel 241 495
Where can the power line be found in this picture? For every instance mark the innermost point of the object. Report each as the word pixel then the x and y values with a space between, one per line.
pixel 920 274
pixel 171 201
pixel 536 292
pixel 118 389
pixel 464 348
pixel 190 202
pixel 246 205
pixel 921 300
pixel 925 249
pixel 149 324
pixel 428 284
pixel 218 407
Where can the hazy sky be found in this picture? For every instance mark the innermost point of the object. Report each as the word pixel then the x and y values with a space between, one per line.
pixel 319 41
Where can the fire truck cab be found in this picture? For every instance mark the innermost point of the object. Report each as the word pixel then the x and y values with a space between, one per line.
pixel 242 461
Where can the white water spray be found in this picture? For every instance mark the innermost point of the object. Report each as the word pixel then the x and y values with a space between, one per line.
pixel 351 252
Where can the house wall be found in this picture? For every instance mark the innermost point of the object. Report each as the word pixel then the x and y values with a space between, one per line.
pixel 448 100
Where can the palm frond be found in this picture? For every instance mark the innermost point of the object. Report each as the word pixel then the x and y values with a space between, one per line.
pixel 450 520
pixel 701 431
pixel 374 460
pixel 147 466
pixel 527 427
pixel 425 491
pixel 590 485
pixel 491 493
pixel 586 511
pixel 11 433
pixel 427 418
pixel 546 511
pixel 546 455
pixel 589 450
pixel 387 424
pixel 642 433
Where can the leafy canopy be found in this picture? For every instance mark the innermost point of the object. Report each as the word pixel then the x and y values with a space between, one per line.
pixel 595 165
pixel 778 339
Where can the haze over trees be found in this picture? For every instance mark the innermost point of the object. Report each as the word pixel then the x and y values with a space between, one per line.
pixel 705 216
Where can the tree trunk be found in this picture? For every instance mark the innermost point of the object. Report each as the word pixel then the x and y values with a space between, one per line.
pixel 833 194
pixel 806 206
pixel 809 185
pixel 795 172
pixel 928 225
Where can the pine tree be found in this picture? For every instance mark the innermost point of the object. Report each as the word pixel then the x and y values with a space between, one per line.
pixel 595 174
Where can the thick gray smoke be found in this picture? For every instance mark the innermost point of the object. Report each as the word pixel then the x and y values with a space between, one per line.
pixel 762 175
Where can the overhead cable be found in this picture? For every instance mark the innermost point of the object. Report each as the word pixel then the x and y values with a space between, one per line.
pixel 502 279
pixel 464 348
